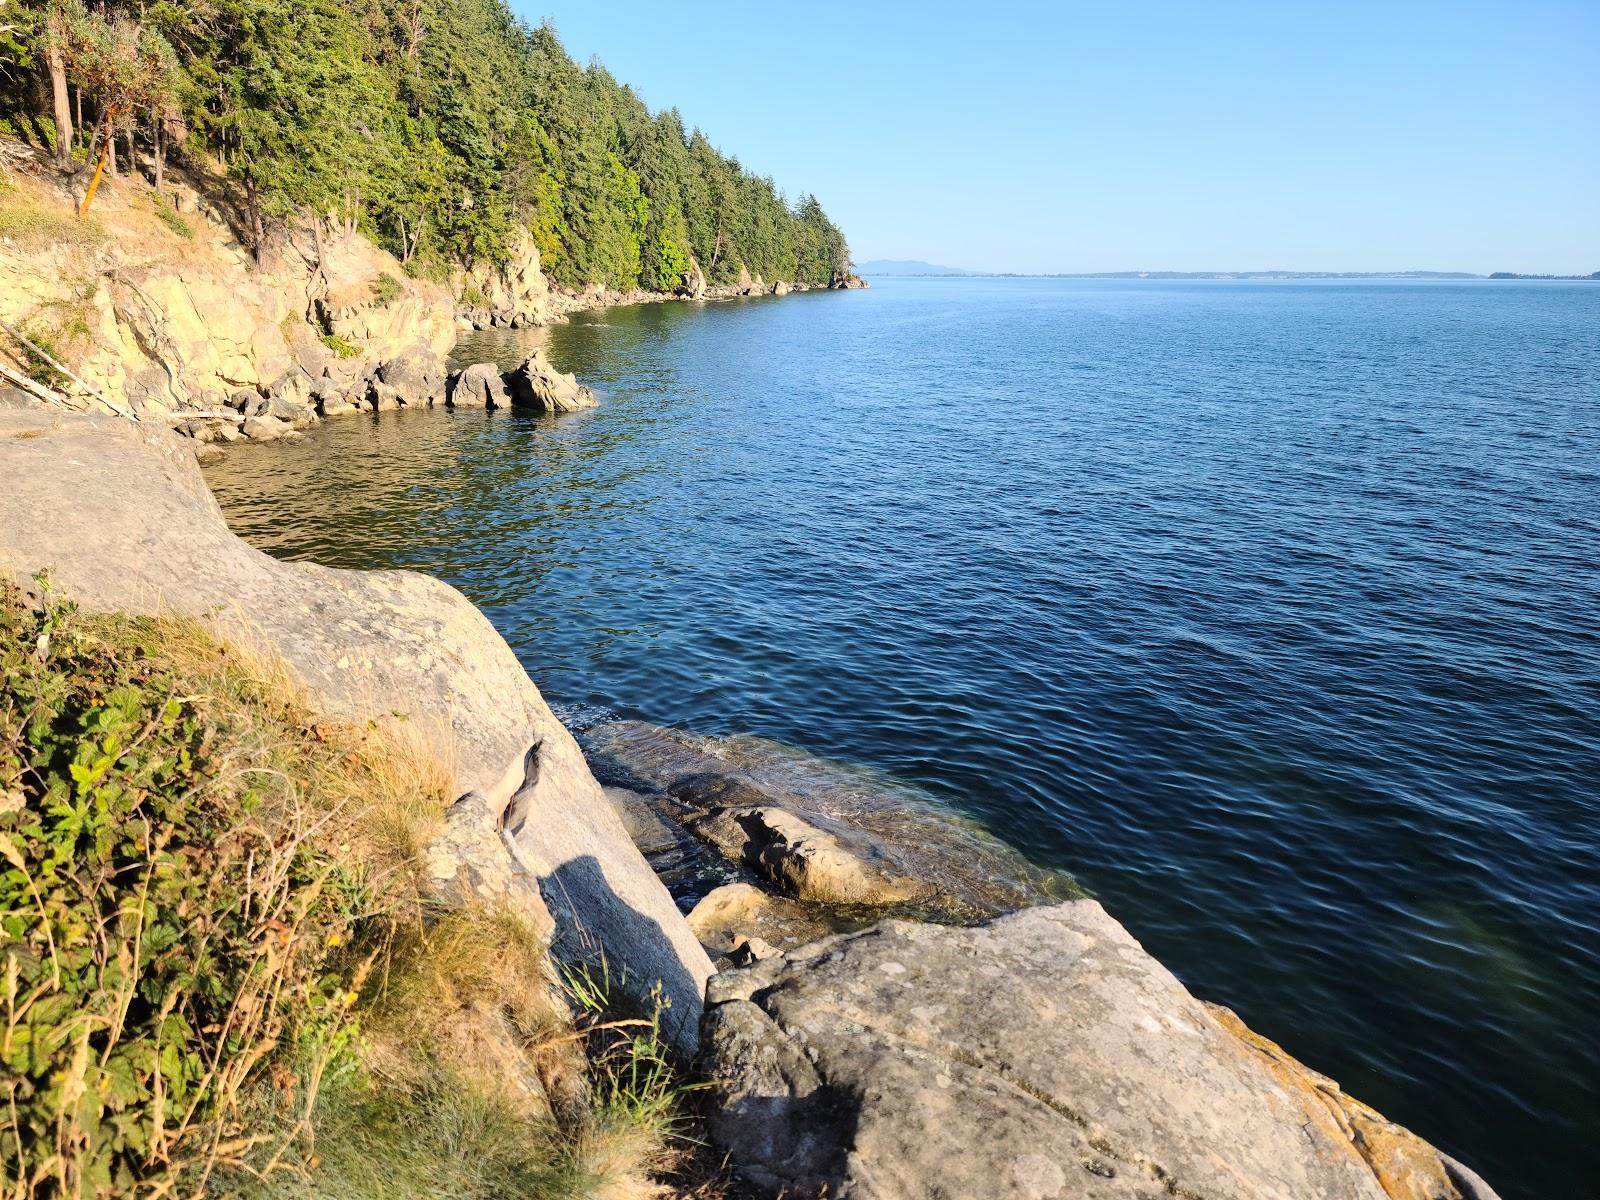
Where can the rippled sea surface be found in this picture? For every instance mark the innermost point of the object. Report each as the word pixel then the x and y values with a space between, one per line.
pixel 1270 611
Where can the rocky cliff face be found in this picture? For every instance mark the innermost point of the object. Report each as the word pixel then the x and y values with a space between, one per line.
pixel 165 311
pixel 508 295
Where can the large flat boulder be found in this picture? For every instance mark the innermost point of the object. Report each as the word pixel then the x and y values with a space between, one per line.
pixel 1041 1056
pixel 119 514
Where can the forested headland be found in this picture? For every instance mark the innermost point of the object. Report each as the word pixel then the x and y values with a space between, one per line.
pixel 436 127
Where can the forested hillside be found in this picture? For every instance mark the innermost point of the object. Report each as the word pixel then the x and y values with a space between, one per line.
pixel 435 126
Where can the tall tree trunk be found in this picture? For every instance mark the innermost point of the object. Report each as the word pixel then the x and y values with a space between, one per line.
pixel 155 142
pixel 95 143
pixel 58 94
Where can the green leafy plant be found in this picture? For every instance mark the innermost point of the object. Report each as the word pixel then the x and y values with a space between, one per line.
pixel 341 347
pixel 170 217
pixel 222 971
pixel 386 289
pixel 165 916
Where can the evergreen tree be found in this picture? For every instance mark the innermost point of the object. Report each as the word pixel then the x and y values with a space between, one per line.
pixel 442 128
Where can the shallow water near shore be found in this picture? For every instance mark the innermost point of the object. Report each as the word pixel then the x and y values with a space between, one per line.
pixel 1268 611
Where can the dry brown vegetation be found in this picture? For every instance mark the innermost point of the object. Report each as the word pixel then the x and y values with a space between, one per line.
pixel 224 972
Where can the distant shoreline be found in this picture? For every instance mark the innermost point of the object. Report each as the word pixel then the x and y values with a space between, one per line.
pixel 1243 275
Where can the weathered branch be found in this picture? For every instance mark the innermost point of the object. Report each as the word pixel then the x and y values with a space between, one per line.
pixel 36 389
pixel 67 371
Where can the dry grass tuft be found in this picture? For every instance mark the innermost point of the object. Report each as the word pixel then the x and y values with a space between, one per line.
pixel 33 225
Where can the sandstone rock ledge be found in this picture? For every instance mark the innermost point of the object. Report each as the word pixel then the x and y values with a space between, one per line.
pixel 120 516
pixel 1041 1056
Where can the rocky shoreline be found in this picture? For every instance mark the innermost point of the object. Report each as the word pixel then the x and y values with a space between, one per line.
pixel 878 1013
pixel 165 316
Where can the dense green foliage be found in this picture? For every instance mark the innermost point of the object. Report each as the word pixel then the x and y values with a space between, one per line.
pixel 159 933
pixel 440 127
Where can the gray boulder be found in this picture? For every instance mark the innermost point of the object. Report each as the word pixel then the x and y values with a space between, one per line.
pixel 479 386
pixel 266 428
pixel 383 398
pixel 1042 1056
pixel 292 387
pixel 248 401
pixel 330 399
pixel 538 385
pixel 132 527
pixel 417 376
pixel 299 415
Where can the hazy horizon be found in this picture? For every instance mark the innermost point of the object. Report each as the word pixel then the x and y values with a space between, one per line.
pixel 1064 138
pixel 958 269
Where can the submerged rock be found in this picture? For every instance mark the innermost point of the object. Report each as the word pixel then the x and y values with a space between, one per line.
pixel 806 862
pixel 650 832
pixel 898 838
pixel 1042 1056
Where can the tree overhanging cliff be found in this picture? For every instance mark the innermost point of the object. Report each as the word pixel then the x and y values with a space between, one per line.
pixel 440 128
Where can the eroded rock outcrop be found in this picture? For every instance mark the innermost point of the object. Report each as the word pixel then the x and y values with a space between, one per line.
pixel 510 294
pixel 417 375
pixel 478 386
pixel 1042 1056
pixel 163 316
pixel 119 515
pixel 539 386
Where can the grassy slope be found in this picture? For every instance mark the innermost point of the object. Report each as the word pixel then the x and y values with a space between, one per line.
pixel 220 971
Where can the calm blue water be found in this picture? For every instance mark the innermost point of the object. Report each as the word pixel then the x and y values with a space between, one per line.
pixel 1268 610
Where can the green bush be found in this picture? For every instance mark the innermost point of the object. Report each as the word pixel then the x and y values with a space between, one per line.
pixel 165 926
pixel 386 289
pixel 342 347
pixel 171 219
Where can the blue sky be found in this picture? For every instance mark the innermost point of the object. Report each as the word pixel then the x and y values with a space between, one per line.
pixel 1119 136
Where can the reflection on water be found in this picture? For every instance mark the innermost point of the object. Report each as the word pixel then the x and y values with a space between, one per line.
pixel 1267 611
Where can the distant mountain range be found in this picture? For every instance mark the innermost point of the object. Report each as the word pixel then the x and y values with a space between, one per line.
pixel 908 266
